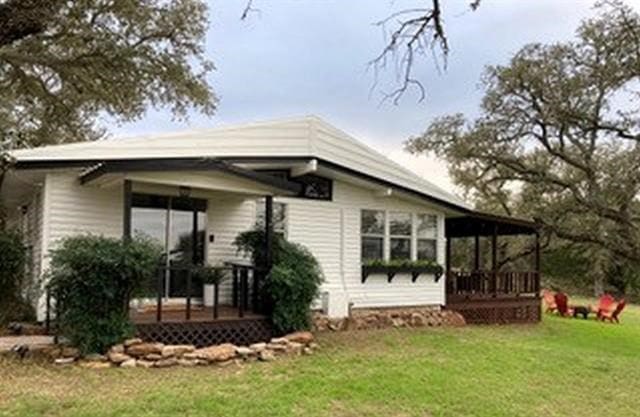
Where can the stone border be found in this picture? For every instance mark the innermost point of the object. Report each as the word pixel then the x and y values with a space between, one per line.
pixel 134 353
pixel 382 318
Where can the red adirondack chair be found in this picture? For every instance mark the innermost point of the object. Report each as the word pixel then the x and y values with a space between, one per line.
pixel 548 297
pixel 562 304
pixel 606 306
pixel 612 315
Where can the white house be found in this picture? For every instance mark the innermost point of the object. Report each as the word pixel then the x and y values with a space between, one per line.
pixel 333 194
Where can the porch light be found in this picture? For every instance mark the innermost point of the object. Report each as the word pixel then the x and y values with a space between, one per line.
pixel 184 191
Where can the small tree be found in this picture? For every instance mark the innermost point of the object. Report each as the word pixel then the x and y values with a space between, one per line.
pixel 92 279
pixel 293 283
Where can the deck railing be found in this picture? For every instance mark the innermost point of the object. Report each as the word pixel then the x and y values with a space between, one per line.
pixel 246 281
pixel 492 284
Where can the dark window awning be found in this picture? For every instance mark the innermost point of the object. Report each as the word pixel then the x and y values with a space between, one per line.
pixel 484 224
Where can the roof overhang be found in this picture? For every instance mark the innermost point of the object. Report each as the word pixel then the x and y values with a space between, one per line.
pixel 484 224
pixel 233 162
pixel 100 169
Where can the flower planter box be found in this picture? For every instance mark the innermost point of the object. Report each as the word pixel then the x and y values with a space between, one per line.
pixel 391 271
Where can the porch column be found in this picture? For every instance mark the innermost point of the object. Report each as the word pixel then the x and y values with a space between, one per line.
pixel 126 215
pixel 494 258
pixel 448 256
pixel 476 257
pixel 537 262
pixel 268 230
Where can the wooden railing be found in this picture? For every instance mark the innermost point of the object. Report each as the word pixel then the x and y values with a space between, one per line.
pixel 490 284
pixel 246 283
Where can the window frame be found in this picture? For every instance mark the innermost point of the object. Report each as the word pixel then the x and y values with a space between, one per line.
pixel 381 236
pixel 414 237
pixel 393 236
pixel 433 239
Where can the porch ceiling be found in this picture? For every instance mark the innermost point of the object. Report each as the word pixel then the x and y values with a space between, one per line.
pixel 484 224
pixel 193 172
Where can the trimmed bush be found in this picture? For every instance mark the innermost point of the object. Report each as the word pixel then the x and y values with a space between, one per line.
pixel 293 283
pixel 13 255
pixel 92 279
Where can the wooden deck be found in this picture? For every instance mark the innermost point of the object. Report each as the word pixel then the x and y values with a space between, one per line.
pixel 484 297
pixel 178 314
pixel 201 329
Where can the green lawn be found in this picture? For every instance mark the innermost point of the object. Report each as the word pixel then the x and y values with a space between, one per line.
pixel 562 367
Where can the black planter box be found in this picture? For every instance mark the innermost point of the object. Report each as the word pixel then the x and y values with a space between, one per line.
pixel 391 271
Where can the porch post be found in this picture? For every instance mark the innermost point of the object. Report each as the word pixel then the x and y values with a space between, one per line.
pixel 448 256
pixel 476 257
pixel 537 262
pixel 449 280
pixel 126 215
pixel 268 230
pixel 494 258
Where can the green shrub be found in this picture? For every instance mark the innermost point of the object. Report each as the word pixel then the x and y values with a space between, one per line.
pixel 13 255
pixel 293 283
pixel 92 279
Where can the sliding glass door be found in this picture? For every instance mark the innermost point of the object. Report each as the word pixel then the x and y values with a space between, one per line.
pixel 178 226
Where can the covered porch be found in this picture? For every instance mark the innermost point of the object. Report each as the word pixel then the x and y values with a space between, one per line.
pixel 194 209
pixel 485 292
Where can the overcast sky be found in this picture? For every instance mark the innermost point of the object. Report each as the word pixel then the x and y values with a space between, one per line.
pixel 299 57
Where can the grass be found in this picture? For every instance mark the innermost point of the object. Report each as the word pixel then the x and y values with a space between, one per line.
pixel 562 367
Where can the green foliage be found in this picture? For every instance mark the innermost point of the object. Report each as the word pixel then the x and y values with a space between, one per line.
pixel 293 283
pixel 555 139
pixel 208 274
pixel 92 279
pixel 81 59
pixel 405 264
pixel 12 262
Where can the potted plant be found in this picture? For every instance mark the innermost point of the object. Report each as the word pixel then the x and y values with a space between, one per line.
pixel 210 276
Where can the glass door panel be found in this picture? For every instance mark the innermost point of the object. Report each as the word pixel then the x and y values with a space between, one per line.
pixel 178 225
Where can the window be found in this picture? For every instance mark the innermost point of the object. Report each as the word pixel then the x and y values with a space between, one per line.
pixel 279 217
pixel 314 187
pixel 427 231
pixel 399 235
pixel 372 233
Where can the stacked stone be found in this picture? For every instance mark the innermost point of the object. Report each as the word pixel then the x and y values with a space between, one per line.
pixel 387 318
pixel 137 353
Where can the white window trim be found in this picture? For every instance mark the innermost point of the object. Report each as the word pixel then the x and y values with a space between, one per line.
pixel 386 239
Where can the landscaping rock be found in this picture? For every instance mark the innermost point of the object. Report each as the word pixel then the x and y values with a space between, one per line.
pixel 266 355
pixel 279 341
pixel 117 348
pixel 130 342
pixel 187 362
pixel 166 363
pixel 118 358
pixel 276 347
pixel 258 347
pixel 300 337
pixel 244 351
pixel 64 361
pixel 177 350
pixel 217 353
pixel 153 357
pixel 131 363
pixel 307 351
pixel 144 349
pixel 144 363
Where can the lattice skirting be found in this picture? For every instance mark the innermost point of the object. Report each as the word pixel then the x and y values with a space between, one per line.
pixel 200 334
pixel 498 311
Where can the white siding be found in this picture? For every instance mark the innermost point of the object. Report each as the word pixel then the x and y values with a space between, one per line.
pixel 330 229
pixel 227 216
pixel 326 227
pixel 75 209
